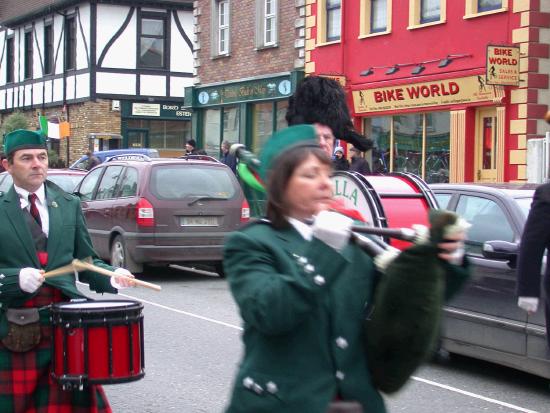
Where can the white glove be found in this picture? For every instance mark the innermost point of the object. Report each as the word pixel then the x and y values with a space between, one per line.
pixel 529 304
pixel 333 229
pixel 121 282
pixel 30 279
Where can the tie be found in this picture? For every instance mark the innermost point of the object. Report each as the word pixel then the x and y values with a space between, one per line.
pixel 34 210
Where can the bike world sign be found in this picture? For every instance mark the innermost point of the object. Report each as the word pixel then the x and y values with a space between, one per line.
pixel 418 95
pixel 502 65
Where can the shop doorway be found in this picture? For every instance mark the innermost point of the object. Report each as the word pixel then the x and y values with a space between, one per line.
pixel 486 152
pixel 138 138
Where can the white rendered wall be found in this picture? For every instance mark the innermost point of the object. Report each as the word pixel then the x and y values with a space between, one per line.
pixel 122 53
pixel 116 83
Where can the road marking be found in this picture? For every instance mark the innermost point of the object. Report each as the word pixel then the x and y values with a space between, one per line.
pixel 200 317
pixel 431 383
pixel 474 395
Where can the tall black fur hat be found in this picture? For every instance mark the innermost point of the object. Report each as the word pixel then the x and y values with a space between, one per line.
pixel 322 100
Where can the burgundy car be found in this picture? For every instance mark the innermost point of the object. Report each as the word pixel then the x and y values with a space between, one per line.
pixel 143 210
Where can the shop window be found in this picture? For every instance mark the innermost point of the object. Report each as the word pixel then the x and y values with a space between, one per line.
pixel 282 107
pixel 230 125
pixel 415 143
pixel 212 130
pixel 375 17
pixel 28 55
pixel 152 41
pixel 426 12
pixel 70 43
pixel 262 121
pixel 329 20
pixel 267 20
pixel 220 27
pixel 475 8
pixel 48 49
pixel 10 63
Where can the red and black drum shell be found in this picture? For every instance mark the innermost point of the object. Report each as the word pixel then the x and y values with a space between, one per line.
pixel 97 342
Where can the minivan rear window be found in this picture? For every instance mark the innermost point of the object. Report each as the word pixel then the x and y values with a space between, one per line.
pixel 184 181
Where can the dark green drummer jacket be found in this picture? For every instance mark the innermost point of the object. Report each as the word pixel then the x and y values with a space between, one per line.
pixel 68 239
pixel 302 304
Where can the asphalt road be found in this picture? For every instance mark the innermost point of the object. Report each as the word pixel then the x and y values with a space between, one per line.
pixel 192 347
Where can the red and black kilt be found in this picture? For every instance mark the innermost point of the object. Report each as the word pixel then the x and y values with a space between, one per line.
pixel 26 385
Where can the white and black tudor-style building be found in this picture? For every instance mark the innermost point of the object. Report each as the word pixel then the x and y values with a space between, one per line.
pixel 108 67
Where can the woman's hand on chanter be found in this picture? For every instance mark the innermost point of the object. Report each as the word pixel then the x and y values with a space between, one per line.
pixel 452 249
pixel 333 229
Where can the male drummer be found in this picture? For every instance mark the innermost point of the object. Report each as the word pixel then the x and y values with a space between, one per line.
pixel 43 228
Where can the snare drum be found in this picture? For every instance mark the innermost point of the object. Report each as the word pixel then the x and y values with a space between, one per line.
pixel 97 342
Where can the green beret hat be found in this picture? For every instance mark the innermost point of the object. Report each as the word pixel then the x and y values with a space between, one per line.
pixel 284 140
pixel 23 139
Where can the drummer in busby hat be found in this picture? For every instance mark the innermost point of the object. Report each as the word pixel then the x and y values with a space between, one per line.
pixel 302 285
pixel 43 228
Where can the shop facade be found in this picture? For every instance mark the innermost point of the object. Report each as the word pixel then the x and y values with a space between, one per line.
pixel 164 126
pixel 449 90
pixel 241 111
pixel 249 59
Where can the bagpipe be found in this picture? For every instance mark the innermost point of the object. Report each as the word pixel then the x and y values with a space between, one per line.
pixel 403 321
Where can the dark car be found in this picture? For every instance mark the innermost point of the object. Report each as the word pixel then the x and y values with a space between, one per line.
pixel 484 321
pixel 66 179
pixel 82 163
pixel 143 210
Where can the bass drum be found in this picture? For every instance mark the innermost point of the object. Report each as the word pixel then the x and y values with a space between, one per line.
pixel 396 200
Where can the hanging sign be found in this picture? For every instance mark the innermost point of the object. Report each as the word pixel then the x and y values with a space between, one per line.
pixel 502 65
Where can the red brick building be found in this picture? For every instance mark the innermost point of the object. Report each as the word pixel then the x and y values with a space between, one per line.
pixel 248 59
pixel 426 83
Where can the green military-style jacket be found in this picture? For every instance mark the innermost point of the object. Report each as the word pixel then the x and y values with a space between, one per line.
pixel 302 304
pixel 68 239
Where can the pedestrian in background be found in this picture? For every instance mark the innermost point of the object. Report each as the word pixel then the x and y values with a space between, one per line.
pixel 191 148
pixel 534 241
pixel 340 162
pixel 43 228
pixel 227 158
pixel 358 163
pixel 93 160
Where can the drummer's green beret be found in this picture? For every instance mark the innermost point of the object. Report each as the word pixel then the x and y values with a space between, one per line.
pixel 284 140
pixel 23 139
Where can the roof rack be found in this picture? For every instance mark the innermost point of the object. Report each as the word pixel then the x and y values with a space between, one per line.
pixel 199 158
pixel 129 157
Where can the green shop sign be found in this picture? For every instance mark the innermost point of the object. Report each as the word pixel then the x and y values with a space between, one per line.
pixel 165 111
pixel 261 89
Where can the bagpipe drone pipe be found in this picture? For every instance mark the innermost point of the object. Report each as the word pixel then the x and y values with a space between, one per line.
pixel 403 321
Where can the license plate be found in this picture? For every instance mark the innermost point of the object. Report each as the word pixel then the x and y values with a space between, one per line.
pixel 199 221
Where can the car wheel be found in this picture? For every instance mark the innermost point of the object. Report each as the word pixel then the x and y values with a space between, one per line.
pixel 219 269
pixel 121 258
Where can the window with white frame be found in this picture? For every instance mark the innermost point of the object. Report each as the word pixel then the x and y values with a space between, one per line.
pixel 430 11
pixel 375 17
pixel 488 5
pixel 223 27
pixel 270 22
pixel 378 16
pixel 267 21
pixel 333 20
pixel 475 8
pixel 426 12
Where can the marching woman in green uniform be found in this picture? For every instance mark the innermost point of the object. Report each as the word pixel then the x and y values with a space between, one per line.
pixel 301 290
pixel 43 228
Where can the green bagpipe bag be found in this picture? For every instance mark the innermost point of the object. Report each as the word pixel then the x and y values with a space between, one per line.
pixel 404 324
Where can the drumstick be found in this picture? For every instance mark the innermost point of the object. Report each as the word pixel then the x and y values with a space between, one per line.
pixel 66 269
pixel 80 265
